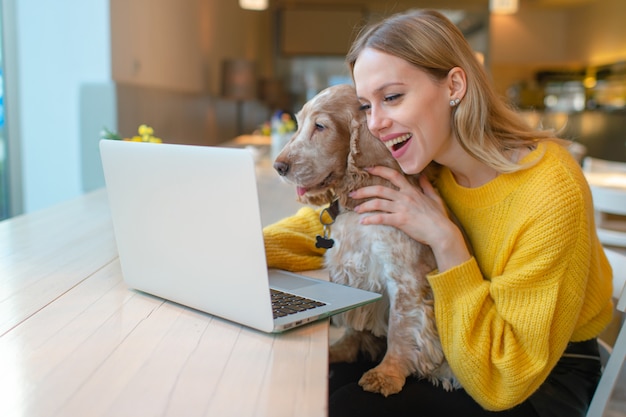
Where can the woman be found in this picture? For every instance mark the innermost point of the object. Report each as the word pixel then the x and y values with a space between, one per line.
pixel 518 316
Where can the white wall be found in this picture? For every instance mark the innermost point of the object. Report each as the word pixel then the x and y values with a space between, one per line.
pixel 60 46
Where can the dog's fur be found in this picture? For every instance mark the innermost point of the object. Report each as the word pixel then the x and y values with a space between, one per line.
pixel 325 160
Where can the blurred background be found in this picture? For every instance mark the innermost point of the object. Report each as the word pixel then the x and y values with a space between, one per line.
pixel 205 71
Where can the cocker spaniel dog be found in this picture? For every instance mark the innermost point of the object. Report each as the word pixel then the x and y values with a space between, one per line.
pixel 325 160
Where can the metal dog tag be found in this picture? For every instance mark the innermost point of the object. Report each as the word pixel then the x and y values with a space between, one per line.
pixel 324 242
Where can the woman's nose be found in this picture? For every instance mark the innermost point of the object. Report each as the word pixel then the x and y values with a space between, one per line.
pixel 377 121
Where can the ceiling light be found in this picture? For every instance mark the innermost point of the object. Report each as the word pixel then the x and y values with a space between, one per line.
pixel 503 6
pixel 253 4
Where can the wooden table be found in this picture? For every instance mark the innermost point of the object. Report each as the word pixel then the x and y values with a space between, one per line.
pixel 76 341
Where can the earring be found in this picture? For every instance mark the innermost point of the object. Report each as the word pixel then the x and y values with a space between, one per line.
pixel 454 102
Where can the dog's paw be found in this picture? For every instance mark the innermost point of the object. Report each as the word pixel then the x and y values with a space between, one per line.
pixel 386 384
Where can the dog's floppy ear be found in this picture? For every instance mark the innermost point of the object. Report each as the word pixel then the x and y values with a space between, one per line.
pixel 362 155
pixel 355 133
pixel 366 150
pixel 358 130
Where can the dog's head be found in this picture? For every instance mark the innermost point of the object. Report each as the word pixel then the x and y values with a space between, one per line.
pixel 332 138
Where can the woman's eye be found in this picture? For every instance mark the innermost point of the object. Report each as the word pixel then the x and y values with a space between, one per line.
pixel 319 126
pixel 364 107
pixel 392 97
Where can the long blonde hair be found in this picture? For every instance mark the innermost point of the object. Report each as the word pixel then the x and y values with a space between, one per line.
pixel 483 122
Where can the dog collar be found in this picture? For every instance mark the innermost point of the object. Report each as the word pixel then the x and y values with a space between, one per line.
pixel 332 211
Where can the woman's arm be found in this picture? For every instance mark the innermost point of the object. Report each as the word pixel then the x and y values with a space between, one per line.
pixel 506 315
pixel 290 242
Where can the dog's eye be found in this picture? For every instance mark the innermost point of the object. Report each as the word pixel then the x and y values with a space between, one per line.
pixel 319 126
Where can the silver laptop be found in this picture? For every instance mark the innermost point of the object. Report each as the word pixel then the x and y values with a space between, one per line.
pixel 188 229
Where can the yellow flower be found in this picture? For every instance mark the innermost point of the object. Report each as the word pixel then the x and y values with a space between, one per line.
pixel 266 129
pixel 145 130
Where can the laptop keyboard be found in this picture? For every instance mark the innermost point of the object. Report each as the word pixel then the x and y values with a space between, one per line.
pixel 284 304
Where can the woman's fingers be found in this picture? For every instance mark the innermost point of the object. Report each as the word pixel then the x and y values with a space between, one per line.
pixel 380 191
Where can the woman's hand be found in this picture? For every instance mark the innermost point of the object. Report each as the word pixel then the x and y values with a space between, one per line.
pixel 421 214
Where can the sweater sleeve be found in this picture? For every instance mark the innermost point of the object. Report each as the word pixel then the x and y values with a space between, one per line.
pixel 497 333
pixel 506 315
pixel 290 242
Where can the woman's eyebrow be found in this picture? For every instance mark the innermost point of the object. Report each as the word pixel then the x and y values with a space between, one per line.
pixel 384 86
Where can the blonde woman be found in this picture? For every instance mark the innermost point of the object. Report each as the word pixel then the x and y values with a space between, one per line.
pixel 518 316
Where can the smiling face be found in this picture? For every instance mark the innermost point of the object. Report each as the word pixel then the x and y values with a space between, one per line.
pixel 406 108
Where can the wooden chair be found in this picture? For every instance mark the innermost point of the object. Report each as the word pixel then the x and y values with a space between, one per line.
pixel 616 355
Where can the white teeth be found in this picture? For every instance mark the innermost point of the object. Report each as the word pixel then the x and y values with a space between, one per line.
pixel 399 139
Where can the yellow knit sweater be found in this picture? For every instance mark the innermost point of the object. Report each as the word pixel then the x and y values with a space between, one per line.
pixel 538 278
pixel 290 242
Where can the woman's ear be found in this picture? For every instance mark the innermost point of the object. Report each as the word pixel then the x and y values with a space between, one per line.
pixel 457 82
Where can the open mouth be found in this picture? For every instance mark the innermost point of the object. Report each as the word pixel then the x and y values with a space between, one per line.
pixel 321 187
pixel 397 143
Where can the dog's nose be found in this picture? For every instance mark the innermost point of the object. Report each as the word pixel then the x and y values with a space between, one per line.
pixel 282 168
